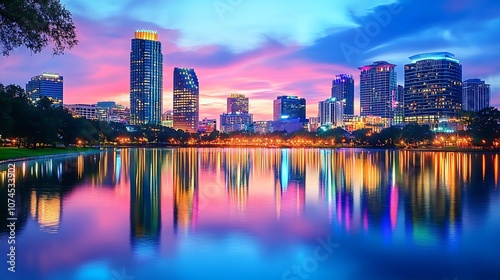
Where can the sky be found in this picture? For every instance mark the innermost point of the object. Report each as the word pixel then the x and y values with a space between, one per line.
pixel 263 48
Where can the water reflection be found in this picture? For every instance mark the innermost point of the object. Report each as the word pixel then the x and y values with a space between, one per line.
pixel 186 174
pixel 281 198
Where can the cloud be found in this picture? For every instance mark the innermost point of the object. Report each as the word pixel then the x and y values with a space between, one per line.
pixel 239 25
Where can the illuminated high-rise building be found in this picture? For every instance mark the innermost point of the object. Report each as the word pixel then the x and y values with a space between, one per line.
pixel 186 100
pixel 475 95
pixel 146 78
pixel 289 107
pixel 343 88
pixel 331 112
pixel 237 103
pixel 377 89
pixel 48 85
pixel 433 88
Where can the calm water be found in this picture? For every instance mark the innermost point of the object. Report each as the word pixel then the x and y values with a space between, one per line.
pixel 255 214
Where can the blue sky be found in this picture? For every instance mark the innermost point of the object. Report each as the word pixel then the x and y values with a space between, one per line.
pixel 264 48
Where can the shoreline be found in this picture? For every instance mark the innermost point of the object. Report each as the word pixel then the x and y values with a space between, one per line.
pixel 69 153
pixel 103 148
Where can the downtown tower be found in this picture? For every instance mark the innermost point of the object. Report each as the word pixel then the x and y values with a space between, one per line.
pixel 146 78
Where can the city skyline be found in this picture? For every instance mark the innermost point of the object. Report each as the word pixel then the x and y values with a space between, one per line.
pixel 294 61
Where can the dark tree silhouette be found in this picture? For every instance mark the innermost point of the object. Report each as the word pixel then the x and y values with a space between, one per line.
pixel 34 24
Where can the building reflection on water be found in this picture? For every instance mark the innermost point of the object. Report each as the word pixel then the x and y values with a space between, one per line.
pixel 145 203
pixel 290 183
pixel 186 176
pixel 237 176
pixel 419 196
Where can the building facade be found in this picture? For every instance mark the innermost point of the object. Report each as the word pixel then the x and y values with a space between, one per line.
pixel 186 100
pixel 207 125
pixel 475 95
pixel 235 122
pixel 433 89
pixel 289 107
pixel 377 89
pixel 331 112
pixel 237 103
pixel 343 89
pixel 87 111
pixel 48 85
pixel 146 78
pixel 399 106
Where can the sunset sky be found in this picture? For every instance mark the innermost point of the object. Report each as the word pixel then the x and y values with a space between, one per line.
pixel 263 48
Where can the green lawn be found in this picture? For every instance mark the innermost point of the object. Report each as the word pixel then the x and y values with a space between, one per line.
pixel 11 153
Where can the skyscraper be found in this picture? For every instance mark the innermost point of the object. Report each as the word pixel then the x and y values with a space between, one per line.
pixel 377 89
pixel 433 88
pixel 289 107
pixel 399 105
pixel 186 100
pixel 48 85
pixel 237 117
pixel 475 95
pixel 343 88
pixel 237 103
pixel 331 112
pixel 146 78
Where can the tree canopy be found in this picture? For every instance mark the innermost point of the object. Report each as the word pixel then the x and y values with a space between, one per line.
pixel 34 24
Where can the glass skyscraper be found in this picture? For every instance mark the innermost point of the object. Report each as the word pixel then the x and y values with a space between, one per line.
pixel 237 103
pixel 433 88
pixel 476 95
pixel 343 88
pixel 146 78
pixel 378 89
pixel 48 85
pixel 331 112
pixel 186 100
pixel 289 107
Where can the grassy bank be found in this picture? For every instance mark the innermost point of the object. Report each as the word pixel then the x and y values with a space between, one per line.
pixel 13 153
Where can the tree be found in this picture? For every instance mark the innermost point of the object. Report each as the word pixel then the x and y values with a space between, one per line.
pixel 414 133
pixel 361 136
pixel 35 23
pixel 485 126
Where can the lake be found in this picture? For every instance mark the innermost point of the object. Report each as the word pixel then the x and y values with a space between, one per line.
pixel 243 213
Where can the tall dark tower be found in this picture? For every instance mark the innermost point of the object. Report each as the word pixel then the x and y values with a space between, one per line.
pixel 146 78
pixel 343 88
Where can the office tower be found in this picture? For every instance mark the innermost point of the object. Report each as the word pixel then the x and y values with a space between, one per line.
pixel 433 88
pixel 237 103
pixel 235 122
pixel 104 110
pixel 146 78
pixel 87 111
pixel 399 105
pixel 377 87
pixel 475 95
pixel 186 100
pixel 331 112
pixel 48 85
pixel 289 107
pixel 343 88
pixel 237 117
